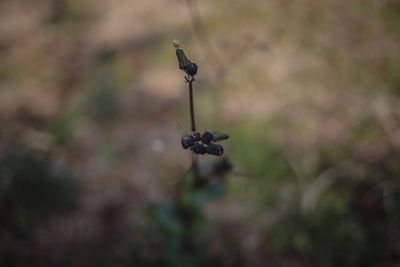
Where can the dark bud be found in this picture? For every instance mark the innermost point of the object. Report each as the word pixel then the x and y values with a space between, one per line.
pixel 191 69
pixel 215 149
pixel 218 136
pixel 198 149
pixel 196 136
pixel 207 137
pixel 184 63
pixel 187 141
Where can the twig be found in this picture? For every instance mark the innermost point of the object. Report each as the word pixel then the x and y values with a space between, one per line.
pixel 190 80
pixel 194 167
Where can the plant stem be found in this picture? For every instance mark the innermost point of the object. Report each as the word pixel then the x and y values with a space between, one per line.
pixel 192 119
pixel 195 169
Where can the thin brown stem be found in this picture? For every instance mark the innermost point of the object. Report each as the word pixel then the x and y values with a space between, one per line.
pixel 192 118
pixel 190 81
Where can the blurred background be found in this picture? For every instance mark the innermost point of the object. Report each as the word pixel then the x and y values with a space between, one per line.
pixel 93 107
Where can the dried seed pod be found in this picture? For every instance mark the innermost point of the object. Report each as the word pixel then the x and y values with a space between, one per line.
pixel 199 149
pixel 218 136
pixel 184 63
pixel 191 69
pixel 207 137
pixel 215 149
pixel 187 141
pixel 196 136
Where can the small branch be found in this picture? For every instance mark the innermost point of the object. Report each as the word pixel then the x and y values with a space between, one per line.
pixel 190 80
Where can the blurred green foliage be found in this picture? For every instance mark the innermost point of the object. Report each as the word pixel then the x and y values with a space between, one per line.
pixel 33 191
pixel 180 224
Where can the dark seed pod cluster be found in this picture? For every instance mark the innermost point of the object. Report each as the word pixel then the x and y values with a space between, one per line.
pixel 184 63
pixel 204 144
